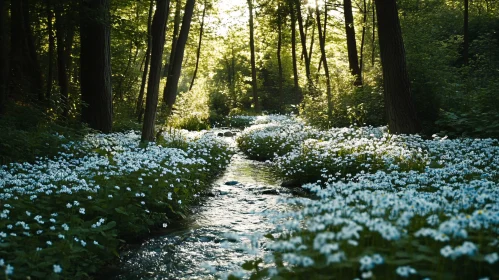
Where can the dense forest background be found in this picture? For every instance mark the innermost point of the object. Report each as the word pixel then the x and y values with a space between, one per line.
pixel 67 66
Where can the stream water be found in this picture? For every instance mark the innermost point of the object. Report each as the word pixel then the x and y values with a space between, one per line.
pixel 212 234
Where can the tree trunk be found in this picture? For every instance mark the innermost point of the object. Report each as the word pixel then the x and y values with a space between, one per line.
pixel 312 39
pixel 353 60
pixel 323 36
pixel 322 41
pixel 303 40
pixel 198 53
pixel 362 41
pixel 400 110
pixel 466 40
pixel 158 29
pixel 4 61
pixel 62 70
pixel 140 99
pixel 172 81
pixel 253 59
pixel 293 47
pixel 26 73
pixel 50 75
pixel 373 42
pixel 279 47
pixel 95 64
pixel 169 68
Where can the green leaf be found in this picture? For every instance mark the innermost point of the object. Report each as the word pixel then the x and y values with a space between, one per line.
pixel 121 210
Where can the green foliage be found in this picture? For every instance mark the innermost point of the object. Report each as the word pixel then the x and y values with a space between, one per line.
pixel 28 134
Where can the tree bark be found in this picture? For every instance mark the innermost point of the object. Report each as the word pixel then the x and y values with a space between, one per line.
pixel 26 73
pixel 198 53
pixel 95 64
pixel 373 42
pixel 293 46
pixel 4 61
pixel 253 59
pixel 279 48
pixel 62 70
pixel 353 60
pixel 50 75
pixel 158 29
pixel 169 65
pixel 140 99
pixel 400 109
pixel 466 40
pixel 303 39
pixel 323 36
pixel 322 41
pixel 362 41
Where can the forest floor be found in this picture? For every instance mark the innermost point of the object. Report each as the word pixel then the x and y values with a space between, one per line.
pixel 383 206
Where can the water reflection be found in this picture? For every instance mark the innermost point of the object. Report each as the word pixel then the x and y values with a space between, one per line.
pixel 208 236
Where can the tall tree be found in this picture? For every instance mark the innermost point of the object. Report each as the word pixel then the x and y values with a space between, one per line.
pixel 466 39
pixel 140 100
pixel 399 106
pixel 253 59
pixel 95 64
pixel 176 29
pixel 363 39
pixel 26 73
pixel 50 76
pixel 293 45
pixel 303 38
pixel 62 69
pixel 172 80
pixel 198 52
pixel 4 62
pixel 279 48
pixel 158 28
pixel 322 42
pixel 353 60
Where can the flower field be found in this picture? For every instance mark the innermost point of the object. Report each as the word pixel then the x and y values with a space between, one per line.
pixel 67 216
pixel 383 206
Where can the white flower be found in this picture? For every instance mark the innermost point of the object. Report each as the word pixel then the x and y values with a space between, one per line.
pixel 9 270
pixel 405 271
pixel 491 258
pixel 57 268
pixel 82 211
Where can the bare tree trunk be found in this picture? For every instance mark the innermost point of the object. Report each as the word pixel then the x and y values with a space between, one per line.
pixel 95 64
pixel 140 99
pixel 50 75
pixel 322 41
pixel 172 81
pixel 466 40
pixel 198 53
pixel 362 41
pixel 4 61
pixel 26 72
pixel 373 42
pixel 303 39
pixel 158 29
pixel 169 64
pixel 400 110
pixel 279 47
pixel 323 36
pixel 353 60
pixel 62 70
pixel 312 39
pixel 293 47
pixel 253 59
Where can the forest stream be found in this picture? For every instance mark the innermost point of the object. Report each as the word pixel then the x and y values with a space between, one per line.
pixel 216 234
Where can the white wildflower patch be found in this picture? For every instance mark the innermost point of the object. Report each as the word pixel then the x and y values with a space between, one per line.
pixel 83 200
pixel 396 205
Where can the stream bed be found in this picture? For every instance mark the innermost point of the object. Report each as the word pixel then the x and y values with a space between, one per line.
pixel 215 236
